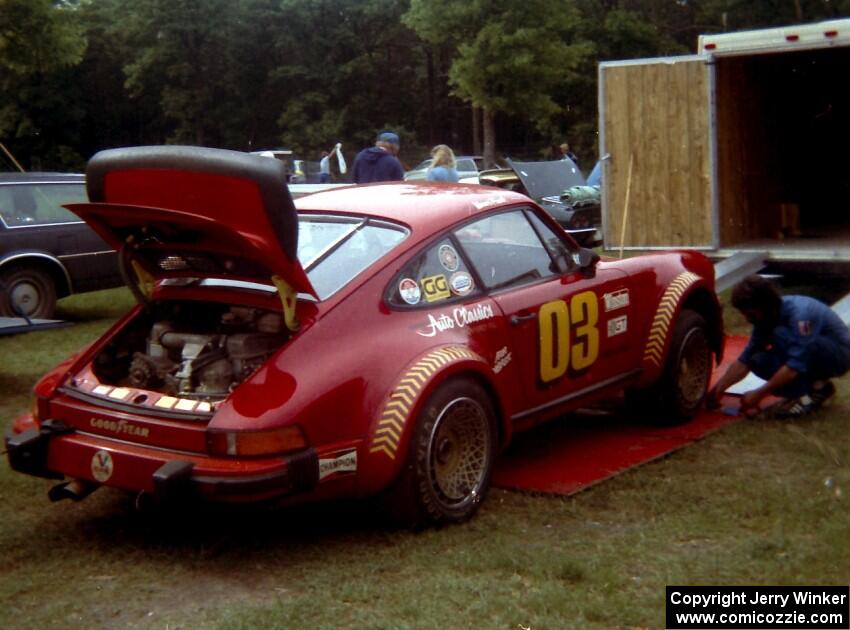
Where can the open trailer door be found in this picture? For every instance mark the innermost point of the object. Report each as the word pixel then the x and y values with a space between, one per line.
pixel 657 144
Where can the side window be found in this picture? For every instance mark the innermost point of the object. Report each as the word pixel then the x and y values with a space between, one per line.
pixel 558 249
pixel 436 275
pixel 26 204
pixel 505 250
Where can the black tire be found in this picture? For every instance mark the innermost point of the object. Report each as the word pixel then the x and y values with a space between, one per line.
pixel 680 391
pixel 32 290
pixel 450 458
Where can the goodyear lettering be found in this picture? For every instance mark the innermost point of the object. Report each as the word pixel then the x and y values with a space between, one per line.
pixel 122 427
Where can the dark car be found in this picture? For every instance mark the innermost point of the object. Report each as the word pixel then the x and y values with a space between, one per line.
pixel 560 188
pixel 46 251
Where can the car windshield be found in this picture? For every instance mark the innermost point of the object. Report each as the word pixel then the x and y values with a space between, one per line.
pixel 334 249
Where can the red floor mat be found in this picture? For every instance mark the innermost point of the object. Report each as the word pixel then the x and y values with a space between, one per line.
pixel 572 453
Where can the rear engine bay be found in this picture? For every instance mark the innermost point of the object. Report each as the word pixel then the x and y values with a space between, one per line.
pixel 191 350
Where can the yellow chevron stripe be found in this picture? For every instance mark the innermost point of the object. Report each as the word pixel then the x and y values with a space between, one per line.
pixel 397 409
pixel 383 449
pixel 657 337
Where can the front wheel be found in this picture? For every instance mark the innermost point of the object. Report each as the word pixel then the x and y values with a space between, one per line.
pixel 679 393
pixel 450 460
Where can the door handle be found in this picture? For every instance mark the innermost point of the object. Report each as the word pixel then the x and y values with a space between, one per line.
pixel 516 320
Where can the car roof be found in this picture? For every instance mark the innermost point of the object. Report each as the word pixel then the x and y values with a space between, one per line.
pixel 40 178
pixel 424 206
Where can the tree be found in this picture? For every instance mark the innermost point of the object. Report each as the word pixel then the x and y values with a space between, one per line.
pixel 39 41
pixel 511 55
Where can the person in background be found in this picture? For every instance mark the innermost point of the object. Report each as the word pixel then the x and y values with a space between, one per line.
pixel 379 163
pixel 325 168
pixel 442 167
pixel 797 345
pixel 566 153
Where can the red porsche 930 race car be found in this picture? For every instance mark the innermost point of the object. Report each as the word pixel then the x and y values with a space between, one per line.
pixel 378 340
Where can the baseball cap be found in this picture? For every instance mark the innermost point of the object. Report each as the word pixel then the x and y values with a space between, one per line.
pixel 388 136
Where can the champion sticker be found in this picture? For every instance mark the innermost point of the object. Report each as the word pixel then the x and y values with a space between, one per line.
pixel 616 299
pixel 461 283
pixel 435 288
pixel 448 257
pixel 343 462
pixel 409 291
pixel 618 325
pixel 101 466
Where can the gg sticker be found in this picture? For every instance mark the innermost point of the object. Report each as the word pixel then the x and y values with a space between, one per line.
pixel 435 288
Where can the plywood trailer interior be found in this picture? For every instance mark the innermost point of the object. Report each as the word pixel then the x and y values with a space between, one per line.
pixel 783 148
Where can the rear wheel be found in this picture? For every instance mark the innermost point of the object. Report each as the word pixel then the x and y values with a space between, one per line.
pixel 450 459
pixel 31 290
pixel 681 389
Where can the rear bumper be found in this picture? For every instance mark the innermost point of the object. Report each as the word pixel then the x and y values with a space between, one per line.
pixel 54 451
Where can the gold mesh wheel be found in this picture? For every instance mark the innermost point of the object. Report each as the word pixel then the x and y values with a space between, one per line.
pixel 459 452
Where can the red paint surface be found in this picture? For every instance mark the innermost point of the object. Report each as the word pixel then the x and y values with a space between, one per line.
pixel 570 454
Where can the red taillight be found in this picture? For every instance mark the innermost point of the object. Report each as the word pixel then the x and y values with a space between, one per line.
pixel 792 38
pixel 710 46
pixel 831 34
pixel 40 409
pixel 253 443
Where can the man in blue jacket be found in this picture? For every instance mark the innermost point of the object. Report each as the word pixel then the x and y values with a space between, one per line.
pixel 797 345
pixel 379 163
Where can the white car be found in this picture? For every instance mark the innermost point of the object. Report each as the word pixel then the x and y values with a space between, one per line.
pixel 466 166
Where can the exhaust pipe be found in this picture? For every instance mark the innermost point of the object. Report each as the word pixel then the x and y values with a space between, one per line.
pixel 76 490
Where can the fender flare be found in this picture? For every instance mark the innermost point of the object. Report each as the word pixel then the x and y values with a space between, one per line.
pixel 660 330
pixel 58 269
pixel 389 437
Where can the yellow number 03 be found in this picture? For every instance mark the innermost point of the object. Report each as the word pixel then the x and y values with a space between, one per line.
pixel 557 349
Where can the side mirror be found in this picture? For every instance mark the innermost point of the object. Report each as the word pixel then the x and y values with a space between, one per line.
pixel 586 260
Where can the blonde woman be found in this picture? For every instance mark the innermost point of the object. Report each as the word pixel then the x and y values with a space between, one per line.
pixel 442 167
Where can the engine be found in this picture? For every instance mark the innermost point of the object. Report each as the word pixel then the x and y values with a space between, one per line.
pixel 206 361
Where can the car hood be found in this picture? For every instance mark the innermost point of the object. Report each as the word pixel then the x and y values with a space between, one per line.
pixel 196 212
pixel 547 179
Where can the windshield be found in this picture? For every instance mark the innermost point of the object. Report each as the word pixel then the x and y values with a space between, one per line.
pixel 334 249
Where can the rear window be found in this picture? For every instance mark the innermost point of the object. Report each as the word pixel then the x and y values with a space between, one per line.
pixel 39 204
pixel 333 250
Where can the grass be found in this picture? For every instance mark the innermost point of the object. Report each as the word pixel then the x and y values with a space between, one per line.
pixel 757 503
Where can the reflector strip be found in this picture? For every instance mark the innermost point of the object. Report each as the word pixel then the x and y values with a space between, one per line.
pixel 184 404
pixel 119 393
pixel 165 402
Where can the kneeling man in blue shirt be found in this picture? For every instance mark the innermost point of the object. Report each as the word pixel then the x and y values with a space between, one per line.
pixel 797 345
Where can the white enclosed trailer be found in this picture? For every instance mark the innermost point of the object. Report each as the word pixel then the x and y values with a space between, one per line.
pixel 742 147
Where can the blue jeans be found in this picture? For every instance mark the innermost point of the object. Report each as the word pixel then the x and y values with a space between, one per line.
pixel 824 363
pixel 324 178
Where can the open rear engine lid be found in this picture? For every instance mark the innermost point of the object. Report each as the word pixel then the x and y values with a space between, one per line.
pixel 196 212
